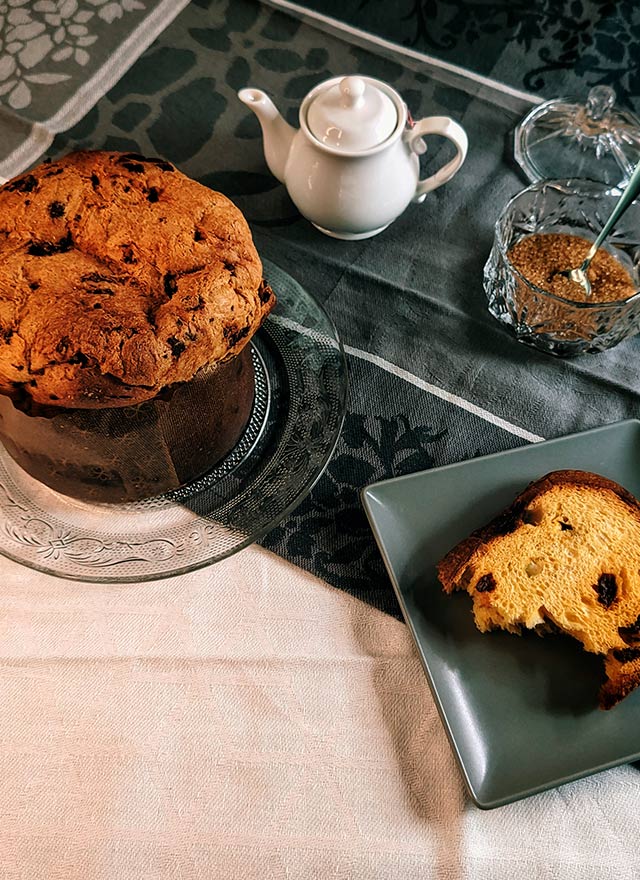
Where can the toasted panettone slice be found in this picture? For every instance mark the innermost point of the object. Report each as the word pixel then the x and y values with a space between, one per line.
pixel 565 555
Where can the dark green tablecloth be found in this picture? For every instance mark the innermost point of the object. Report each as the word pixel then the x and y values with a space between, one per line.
pixel 549 47
pixel 433 378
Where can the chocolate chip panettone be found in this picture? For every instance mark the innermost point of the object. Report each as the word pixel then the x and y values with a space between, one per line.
pixel 121 279
pixel 119 276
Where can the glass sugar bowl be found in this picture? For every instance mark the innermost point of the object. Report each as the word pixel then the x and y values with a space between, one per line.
pixel 551 223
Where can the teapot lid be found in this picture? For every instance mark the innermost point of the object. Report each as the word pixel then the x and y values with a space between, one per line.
pixel 352 114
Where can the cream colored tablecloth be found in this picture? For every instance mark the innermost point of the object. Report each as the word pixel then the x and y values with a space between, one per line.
pixel 249 721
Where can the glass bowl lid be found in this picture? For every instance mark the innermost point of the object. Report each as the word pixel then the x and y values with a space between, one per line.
pixel 564 138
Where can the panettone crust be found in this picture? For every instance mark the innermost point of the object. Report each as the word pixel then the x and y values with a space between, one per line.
pixel 120 276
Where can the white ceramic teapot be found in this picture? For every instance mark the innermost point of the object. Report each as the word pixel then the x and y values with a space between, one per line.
pixel 352 167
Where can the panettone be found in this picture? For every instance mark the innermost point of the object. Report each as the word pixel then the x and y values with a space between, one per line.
pixel 121 279
pixel 119 276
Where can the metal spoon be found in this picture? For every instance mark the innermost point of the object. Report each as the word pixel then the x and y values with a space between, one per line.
pixel 631 191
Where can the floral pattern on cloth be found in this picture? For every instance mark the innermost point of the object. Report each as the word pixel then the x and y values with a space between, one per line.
pixel 561 46
pixel 371 447
pixel 37 37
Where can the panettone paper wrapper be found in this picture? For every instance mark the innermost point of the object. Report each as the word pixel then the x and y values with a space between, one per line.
pixel 128 453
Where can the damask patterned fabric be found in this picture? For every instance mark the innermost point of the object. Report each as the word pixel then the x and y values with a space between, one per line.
pixel 433 378
pixel 549 47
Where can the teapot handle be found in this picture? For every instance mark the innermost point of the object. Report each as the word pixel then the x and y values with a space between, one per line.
pixel 445 127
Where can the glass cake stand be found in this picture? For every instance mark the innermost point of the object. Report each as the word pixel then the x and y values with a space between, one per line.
pixel 299 407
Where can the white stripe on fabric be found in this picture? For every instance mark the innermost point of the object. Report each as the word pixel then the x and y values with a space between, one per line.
pixel 413 380
pixel 368 37
pixel 443 395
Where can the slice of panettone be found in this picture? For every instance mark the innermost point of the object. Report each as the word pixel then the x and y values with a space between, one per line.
pixel 565 555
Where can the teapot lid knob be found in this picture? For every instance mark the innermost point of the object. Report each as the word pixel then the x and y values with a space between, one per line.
pixel 352 89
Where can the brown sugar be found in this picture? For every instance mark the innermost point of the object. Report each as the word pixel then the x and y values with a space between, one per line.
pixel 541 257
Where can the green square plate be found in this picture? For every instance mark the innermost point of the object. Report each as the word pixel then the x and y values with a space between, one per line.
pixel 521 713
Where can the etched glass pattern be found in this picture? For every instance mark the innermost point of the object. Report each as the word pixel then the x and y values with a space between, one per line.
pixel 536 317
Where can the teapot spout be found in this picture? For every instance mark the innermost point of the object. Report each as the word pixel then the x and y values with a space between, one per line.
pixel 277 133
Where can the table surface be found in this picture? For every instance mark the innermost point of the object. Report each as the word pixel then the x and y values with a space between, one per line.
pixel 267 716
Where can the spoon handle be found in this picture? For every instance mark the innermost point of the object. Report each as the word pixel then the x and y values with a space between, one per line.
pixel 631 191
